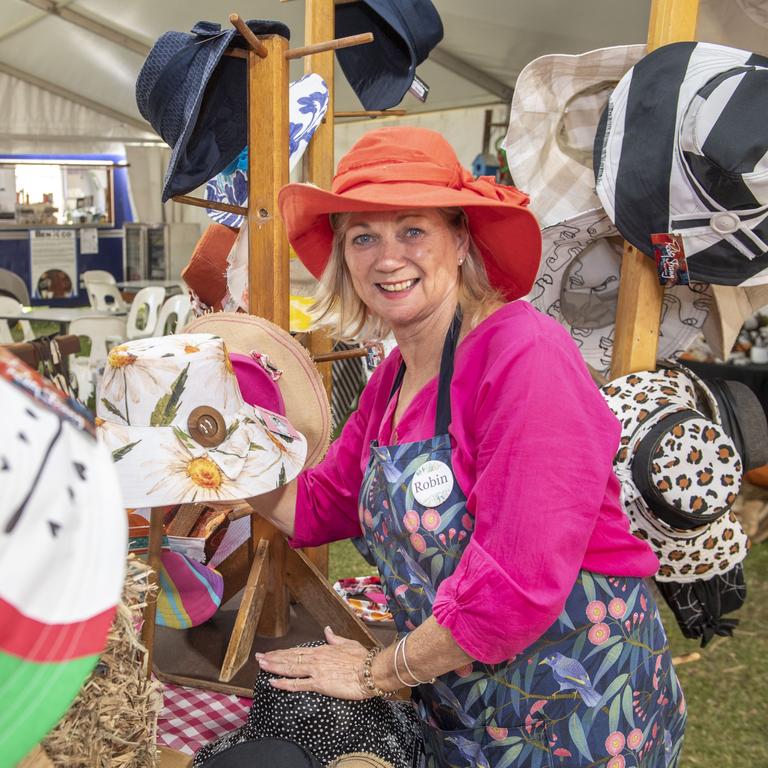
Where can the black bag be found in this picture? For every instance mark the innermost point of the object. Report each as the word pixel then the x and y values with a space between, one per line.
pixel 275 753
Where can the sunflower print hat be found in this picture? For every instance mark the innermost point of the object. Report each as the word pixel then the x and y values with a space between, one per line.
pixel 171 412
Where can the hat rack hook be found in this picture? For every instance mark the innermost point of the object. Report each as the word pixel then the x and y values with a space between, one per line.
pixel 271 571
pixel 638 311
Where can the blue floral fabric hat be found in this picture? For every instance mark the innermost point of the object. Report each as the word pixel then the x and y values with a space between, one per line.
pixel 308 103
pixel 195 98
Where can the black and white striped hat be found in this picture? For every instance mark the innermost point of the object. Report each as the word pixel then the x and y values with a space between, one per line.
pixel 683 147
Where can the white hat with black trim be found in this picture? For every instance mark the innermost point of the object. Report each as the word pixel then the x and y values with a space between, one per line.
pixel 683 148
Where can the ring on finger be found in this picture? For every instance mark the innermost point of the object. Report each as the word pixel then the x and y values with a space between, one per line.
pixel 299 659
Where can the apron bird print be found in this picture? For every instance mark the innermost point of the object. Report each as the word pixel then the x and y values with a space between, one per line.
pixel 571 675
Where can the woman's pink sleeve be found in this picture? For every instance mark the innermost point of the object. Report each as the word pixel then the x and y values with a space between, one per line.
pixel 545 442
pixel 326 501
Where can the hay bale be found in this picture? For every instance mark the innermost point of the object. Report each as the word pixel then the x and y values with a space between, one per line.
pixel 113 721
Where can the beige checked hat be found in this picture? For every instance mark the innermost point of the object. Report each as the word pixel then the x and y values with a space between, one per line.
pixel 555 109
pixel 731 307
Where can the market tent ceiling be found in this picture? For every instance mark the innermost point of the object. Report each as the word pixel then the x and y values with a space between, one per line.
pixel 92 71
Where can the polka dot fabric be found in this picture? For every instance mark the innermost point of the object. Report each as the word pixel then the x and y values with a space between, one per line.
pixel 327 727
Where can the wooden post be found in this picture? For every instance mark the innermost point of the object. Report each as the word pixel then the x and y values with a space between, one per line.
pixel 638 313
pixel 319 164
pixel 268 268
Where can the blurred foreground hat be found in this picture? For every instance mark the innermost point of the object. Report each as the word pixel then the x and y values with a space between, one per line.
pixel 404 33
pixel 556 106
pixel 578 285
pixel 287 362
pixel 195 98
pixel 63 541
pixel 392 169
pixel 171 412
pixel 681 149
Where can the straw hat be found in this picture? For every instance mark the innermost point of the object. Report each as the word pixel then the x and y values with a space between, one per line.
pixel 392 169
pixel 171 412
pixel 300 383
pixel 63 542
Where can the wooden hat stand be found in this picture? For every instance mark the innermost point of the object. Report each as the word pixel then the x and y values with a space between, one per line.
pixel 270 571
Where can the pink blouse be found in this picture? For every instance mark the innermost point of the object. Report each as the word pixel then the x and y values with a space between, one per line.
pixel 533 446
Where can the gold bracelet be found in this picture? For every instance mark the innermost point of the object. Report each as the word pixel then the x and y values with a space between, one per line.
pixel 368 681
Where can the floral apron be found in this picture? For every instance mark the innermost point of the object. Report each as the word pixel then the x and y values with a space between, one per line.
pixel 596 689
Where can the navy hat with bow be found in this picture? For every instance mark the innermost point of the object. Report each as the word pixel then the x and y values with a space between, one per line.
pixel 404 31
pixel 196 99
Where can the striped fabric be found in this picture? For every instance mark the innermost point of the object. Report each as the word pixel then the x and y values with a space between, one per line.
pixel 683 147
pixel 348 377
pixel 190 593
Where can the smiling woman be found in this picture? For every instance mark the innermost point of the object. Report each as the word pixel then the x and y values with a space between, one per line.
pixel 479 469
pixel 432 241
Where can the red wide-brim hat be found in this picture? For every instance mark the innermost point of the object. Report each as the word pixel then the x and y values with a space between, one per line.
pixel 405 168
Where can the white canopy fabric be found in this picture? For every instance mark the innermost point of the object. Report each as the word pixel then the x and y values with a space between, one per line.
pixel 497 37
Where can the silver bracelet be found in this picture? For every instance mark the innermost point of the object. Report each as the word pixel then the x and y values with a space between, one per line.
pixel 408 669
pixel 399 645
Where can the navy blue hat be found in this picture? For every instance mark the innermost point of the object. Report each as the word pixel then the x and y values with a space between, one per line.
pixel 196 99
pixel 404 31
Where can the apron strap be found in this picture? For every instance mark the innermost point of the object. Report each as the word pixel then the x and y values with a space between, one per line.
pixel 443 413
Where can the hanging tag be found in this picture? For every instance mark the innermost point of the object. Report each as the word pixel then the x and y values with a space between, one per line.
pixel 276 423
pixel 671 263
pixel 419 89
pixel 432 483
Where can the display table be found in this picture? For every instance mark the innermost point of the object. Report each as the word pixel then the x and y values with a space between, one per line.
pixel 61 315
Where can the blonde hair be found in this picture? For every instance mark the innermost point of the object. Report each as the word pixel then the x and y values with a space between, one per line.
pixel 343 314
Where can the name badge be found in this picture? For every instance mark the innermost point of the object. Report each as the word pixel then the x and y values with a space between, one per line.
pixel 432 483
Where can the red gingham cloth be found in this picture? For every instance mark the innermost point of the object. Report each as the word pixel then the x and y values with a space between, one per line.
pixel 192 717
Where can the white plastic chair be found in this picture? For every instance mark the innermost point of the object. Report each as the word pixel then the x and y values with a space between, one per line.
pixel 12 285
pixel 105 297
pixel 173 315
pixel 142 316
pixel 7 304
pixel 104 333
pixel 97 276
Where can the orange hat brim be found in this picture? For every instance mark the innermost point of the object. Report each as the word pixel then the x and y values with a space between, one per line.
pixel 507 234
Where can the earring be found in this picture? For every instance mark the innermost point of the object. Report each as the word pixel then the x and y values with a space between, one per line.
pixel 461 261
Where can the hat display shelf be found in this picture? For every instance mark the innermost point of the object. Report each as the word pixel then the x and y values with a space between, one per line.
pixel 274 573
pixel 638 312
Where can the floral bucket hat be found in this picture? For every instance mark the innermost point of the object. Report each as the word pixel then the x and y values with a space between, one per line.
pixel 171 412
pixel 684 449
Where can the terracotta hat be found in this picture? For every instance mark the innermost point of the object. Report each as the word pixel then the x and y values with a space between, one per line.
pixel 63 542
pixel 555 110
pixel 404 168
pixel 206 272
pixel 171 412
pixel 300 384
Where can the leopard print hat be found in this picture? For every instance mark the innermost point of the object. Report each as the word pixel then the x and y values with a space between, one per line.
pixel 680 472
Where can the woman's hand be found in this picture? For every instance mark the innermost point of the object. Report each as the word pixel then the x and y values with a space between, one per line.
pixel 334 669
